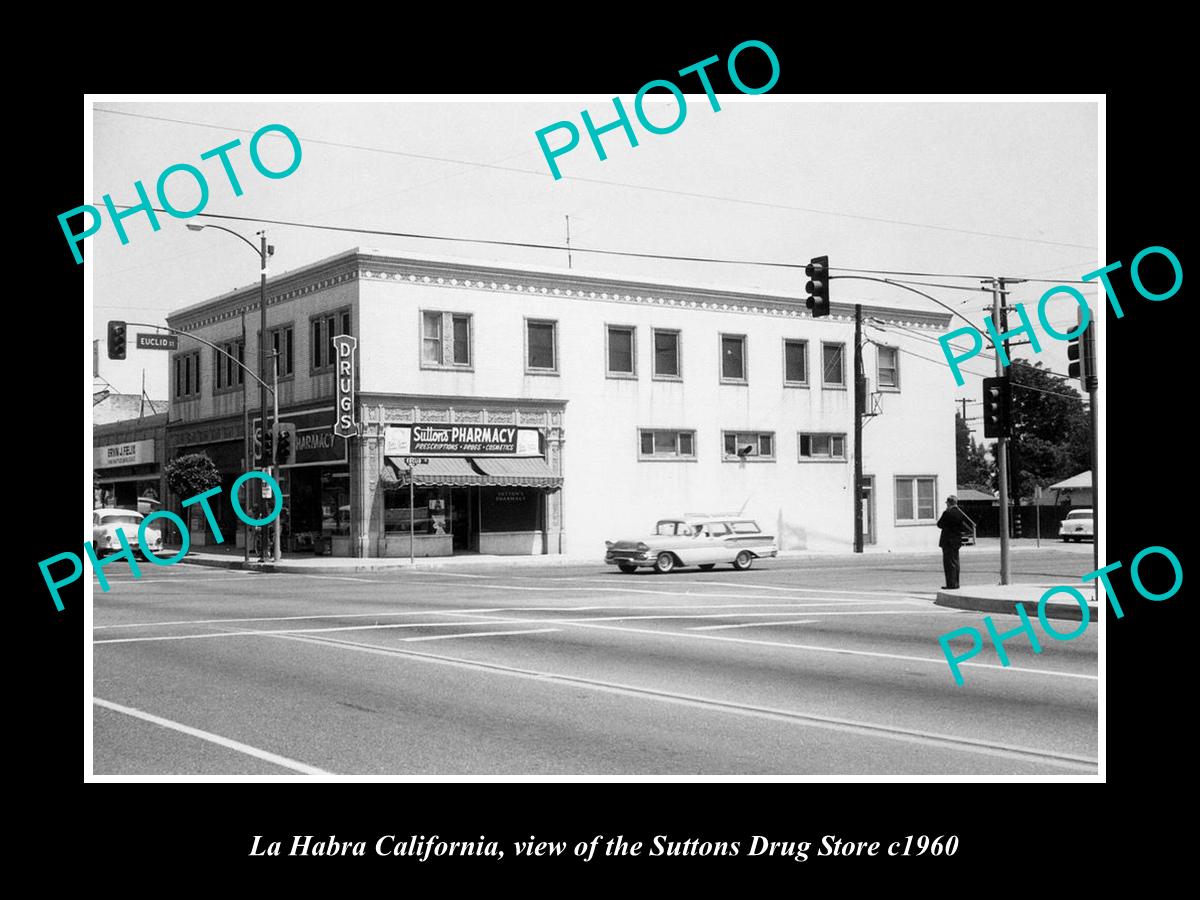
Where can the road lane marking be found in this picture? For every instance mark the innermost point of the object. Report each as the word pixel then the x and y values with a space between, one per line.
pixel 488 609
pixel 228 743
pixel 375 627
pixel 868 653
pixel 452 637
pixel 908 735
pixel 887 612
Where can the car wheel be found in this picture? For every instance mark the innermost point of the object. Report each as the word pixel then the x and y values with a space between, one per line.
pixel 664 564
pixel 628 570
pixel 743 560
pixel 707 566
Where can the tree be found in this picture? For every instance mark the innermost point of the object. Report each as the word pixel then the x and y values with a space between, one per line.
pixel 1051 434
pixel 975 470
pixel 192 474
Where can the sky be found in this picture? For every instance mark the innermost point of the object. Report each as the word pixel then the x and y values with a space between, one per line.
pixel 947 188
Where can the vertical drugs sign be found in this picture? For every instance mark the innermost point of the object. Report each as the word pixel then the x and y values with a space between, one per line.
pixel 344 424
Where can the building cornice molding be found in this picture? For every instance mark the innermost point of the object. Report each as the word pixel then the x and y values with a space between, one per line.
pixel 461 275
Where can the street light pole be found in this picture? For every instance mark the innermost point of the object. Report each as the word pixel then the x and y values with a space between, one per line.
pixel 262 374
pixel 278 524
pixel 247 449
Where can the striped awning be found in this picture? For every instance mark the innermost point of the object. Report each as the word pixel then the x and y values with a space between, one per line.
pixel 460 471
pixel 519 472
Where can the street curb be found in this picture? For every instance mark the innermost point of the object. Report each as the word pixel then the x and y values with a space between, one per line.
pixel 351 568
pixel 1008 606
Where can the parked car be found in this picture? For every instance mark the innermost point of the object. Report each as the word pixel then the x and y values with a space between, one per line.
pixel 1079 524
pixel 694 541
pixel 107 522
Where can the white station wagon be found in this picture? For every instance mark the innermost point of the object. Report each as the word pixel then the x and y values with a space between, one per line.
pixel 107 522
pixel 702 541
pixel 1079 524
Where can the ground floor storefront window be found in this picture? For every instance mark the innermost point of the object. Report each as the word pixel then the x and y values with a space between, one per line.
pixel 316 516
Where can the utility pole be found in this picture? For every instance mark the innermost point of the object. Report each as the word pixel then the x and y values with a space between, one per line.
pixel 1001 442
pixel 278 524
pixel 860 390
pixel 262 373
pixel 247 450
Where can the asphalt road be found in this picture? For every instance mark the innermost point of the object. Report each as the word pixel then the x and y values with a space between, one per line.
pixel 795 667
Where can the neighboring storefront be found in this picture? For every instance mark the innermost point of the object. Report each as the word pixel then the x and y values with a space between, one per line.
pixel 127 460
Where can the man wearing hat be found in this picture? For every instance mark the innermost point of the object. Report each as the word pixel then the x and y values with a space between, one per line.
pixel 954 524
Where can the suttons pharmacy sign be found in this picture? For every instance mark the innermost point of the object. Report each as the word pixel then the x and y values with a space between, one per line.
pixel 462 440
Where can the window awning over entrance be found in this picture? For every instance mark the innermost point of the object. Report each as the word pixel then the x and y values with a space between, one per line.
pixel 519 472
pixel 459 471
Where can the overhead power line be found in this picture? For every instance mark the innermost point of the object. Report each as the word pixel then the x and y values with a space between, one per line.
pixel 619 184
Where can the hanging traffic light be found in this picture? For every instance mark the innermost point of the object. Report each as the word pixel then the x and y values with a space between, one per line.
pixel 285 444
pixel 116 340
pixel 818 286
pixel 266 446
pixel 997 407
pixel 1081 353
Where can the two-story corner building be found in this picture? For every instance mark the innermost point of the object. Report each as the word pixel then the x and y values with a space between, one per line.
pixel 548 409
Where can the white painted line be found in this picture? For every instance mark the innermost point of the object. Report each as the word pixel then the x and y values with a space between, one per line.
pixel 943 741
pixel 810 647
pixel 753 625
pixel 228 743
pixel 375 627
pixel 886 612
pixel 452 637
pixel 489 609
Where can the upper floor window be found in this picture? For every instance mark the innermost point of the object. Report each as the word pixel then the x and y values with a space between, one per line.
pixel 445 339
pixel 656 444
pixel 822 446
pixel 621 351
pixel 227 374
pixel 541 346
pixel 888 368
pixel 666 354
pixel 795 363
pixel 187 375
pixel 834 365
pixel 280 342
pixel 733 358
pixel 758 445
pixel 324 329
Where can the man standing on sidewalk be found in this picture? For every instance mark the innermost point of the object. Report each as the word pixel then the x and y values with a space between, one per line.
pixel 954 524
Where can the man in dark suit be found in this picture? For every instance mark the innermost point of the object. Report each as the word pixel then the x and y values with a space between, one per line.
pixel 954 524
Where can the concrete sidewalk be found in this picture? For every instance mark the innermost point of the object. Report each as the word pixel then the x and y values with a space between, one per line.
pixel 1004 599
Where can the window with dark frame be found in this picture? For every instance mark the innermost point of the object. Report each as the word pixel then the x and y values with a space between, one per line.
pixel 621 351
pixel 795 362
pixel 819 445
pixel 667 444
pixel 833 365
pixel 324 329
pixel 540 338
pixel 227 374
pixel 733 357
pixel 281 342
pixel 187 375
pixel 752 444
pixel 666 354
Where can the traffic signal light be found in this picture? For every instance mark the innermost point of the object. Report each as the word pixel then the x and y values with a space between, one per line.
pixel 116 340
pixel 266 447
pixel 285 444
pixel 818 286
pixel 997 406
pixel 1081 351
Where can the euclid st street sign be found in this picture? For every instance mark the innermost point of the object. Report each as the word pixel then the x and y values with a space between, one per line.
pixel 157 342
